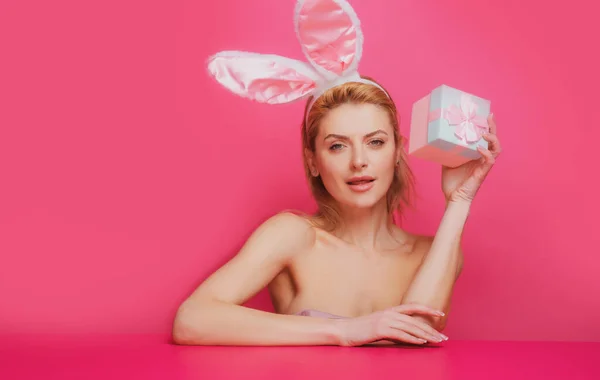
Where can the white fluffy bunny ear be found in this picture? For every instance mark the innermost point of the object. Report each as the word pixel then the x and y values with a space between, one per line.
pixel 330 35
pixel 266 78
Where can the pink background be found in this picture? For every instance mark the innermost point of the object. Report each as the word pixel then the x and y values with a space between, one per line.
pixel 128 175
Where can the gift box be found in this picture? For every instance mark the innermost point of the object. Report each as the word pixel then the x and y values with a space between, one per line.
pixel 447 125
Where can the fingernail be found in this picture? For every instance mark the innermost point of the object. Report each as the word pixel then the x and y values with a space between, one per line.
pixel 441 313
pixel 444 336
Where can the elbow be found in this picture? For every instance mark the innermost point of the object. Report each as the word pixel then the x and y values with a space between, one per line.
pixel 437 323
pixel 186 329
pixel 440 324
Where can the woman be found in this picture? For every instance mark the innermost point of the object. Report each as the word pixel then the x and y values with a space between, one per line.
pixel 346 275
pixel 361 278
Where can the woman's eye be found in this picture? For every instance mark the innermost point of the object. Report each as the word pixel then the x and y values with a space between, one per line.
pixel 333 147
pixel 378 142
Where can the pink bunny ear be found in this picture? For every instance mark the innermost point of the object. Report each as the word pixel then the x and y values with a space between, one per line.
pixel 265 78
pixel 330 35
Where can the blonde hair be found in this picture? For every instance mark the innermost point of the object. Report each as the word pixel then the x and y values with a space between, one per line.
pixel 399 194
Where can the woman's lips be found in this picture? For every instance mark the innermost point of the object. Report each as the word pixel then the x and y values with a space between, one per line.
pixel 361 186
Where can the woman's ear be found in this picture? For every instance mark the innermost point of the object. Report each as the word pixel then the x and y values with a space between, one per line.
pixel 399 155
pixel 400 148
pixel 310 161
pixel 401 143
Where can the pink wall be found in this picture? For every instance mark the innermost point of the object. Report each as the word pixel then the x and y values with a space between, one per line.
pixel 128 176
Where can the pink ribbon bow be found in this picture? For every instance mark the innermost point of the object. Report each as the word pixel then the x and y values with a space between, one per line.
pixel 469 126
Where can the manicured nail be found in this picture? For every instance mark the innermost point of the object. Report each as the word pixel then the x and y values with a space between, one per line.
pixel 441 313
pixel 444 336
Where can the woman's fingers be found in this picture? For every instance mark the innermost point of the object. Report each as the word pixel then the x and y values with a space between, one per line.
pixel 413 308
pixel 403 336
pixel 492 137
pixel 493 143
pixel 423 326
pixel 415 331
pixel 418 329
pixel 487 160
pixel 492 123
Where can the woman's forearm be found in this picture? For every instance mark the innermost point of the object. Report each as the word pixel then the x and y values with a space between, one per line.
pixel 218 323
pixel 434 281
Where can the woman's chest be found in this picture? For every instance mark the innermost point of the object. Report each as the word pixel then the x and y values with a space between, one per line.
pixel 353 283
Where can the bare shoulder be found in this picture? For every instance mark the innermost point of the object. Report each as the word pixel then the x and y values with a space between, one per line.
pixel 292 233
pixel 289 221
pixel 268 250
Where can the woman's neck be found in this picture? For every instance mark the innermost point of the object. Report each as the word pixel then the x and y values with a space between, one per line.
pixel 371 229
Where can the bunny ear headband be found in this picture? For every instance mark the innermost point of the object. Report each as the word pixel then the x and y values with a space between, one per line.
pixel 331 39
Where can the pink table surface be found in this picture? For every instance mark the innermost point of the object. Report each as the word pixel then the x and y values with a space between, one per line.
pixel 152 357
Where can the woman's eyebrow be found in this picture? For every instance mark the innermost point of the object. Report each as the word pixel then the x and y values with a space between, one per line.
pixel 342 137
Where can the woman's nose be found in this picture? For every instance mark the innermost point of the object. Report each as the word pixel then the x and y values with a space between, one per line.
pixel 359 160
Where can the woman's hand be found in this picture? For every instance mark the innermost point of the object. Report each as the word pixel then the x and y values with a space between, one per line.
pixel 463 182
pixel 394 324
